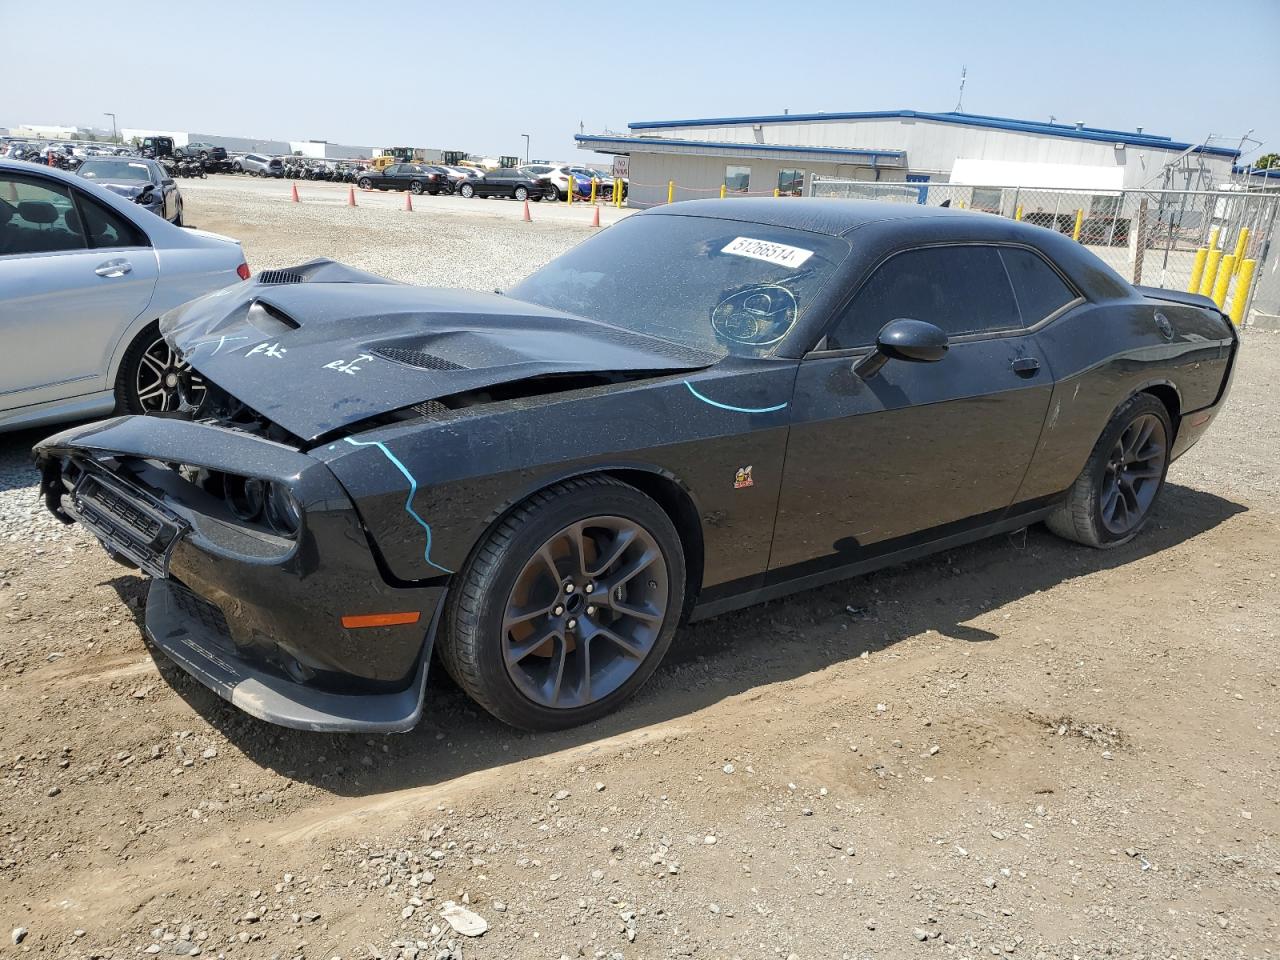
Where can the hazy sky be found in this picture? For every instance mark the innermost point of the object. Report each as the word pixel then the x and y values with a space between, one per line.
pixel 476 75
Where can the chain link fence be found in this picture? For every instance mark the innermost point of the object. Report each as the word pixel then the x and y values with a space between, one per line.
pixel 1162 238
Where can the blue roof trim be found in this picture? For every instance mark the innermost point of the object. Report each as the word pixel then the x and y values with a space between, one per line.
pixel 1266 172
pixel 1069 131
pixel 748 147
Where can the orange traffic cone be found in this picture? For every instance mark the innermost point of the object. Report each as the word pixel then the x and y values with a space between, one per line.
pixel 408 202
pixel 527 218
pixel 595 221
pixel 295 194
pixel 351 197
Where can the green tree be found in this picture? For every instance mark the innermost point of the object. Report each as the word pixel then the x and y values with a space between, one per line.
pixel 1267 161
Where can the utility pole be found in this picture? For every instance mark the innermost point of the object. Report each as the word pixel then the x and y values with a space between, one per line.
pixel 114 137
pixel 526 147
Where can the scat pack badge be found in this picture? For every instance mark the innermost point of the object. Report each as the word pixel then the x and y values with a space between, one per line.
pixel 743 478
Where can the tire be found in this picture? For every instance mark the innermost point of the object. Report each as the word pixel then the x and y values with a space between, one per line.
pixel 521 193
pixel 364 183
pixel 467 190
pixel 475 641
pixel 554 194
pixel 177 220
pixel 415 187
pixel 1121 461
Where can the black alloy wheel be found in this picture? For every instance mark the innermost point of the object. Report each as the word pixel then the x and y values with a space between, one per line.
pixel 1112 498
pixel 153 378
pixel 567 607
pixel 416 187
pixel 1133 474
pixel 364 183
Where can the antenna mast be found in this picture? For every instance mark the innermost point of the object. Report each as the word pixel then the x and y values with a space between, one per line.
pixel 964 72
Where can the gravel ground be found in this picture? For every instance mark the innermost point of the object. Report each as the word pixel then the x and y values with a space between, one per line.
pixel 1018 749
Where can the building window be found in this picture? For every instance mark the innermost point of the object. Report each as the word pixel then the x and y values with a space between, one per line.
pixel 1100 206
pixel 987 199
pixel 790 183
pixel 737 179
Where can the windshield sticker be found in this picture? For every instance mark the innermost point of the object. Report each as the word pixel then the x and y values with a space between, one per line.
pixel 779 253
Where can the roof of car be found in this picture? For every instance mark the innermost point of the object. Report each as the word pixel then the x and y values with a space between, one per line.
pixel 815 214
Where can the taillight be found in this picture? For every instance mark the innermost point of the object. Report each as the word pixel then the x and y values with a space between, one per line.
pixel 242 271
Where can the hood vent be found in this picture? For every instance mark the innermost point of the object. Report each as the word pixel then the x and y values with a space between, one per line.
pixel 279 276
pixel 416 358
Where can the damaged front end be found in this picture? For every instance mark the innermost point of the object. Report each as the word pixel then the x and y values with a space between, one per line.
pixel 264 584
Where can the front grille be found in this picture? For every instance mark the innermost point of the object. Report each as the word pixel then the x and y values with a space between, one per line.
pixel 416 358
pixel 279 276
pixel 127 523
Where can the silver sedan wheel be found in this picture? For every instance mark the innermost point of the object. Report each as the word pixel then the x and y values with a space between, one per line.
pixel 165 381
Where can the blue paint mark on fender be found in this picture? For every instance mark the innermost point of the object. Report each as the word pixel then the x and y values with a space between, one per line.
pixel 725 406
pixel 413 490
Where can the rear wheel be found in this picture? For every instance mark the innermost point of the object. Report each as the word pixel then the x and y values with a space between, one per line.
pixel 567 607
pixel 522 193
pixel 416 188
pixel 153 378
pixel 1113 496
pixel 554 193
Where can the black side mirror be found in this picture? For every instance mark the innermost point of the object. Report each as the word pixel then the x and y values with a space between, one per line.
pixel 903 339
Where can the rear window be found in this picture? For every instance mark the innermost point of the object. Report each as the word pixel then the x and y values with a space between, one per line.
pixel 1039 288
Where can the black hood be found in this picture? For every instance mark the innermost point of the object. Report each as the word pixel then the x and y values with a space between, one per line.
pixel 322 346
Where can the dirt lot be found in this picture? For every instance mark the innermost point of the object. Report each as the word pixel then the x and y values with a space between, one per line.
pixel 1022 748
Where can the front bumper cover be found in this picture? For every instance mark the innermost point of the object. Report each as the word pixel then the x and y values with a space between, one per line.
pixel 256 617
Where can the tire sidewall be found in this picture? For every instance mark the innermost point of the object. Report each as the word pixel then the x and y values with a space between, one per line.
pixel 506 700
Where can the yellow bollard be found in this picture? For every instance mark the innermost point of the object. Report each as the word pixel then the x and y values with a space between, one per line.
pixel 1242 241
pixel 571 188
pixel 1210 272
pixel 1075 234
pixel 776 193
pixel 1213 239
pixel 1197 269
pixel 1224 280
pixel 671 191
pixel 1242 291
pixel 594 183
pixel 1017 214
pixel 723 188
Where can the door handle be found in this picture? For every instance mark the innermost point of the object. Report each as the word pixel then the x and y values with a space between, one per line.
pixel 1025 366
pixel 113 268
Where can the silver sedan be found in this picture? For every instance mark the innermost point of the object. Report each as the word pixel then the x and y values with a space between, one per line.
pixel 84 276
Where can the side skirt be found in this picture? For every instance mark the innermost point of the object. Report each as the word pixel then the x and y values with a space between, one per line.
pixel 775 590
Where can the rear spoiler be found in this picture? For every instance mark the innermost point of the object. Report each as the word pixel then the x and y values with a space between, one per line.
pixel 1177 296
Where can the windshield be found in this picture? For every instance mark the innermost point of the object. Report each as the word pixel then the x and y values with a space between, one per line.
pixel 115 170
pixel 721 286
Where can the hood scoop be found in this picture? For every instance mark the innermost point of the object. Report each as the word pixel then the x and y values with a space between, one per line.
pixel 416 358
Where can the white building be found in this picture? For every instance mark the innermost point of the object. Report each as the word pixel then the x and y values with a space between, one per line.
pixel 318 149
pixel 760 154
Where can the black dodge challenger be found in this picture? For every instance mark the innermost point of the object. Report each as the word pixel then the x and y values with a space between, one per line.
pixel 707 405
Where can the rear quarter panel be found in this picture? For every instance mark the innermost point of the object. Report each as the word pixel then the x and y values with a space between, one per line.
pixel 1102 354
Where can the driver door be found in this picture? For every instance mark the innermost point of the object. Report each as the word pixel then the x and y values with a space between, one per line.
pixel 872 464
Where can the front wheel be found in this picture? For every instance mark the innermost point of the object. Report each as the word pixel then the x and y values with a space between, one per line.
pixel 567 607
pixel 1113 496
pixel 522 193
pixel 467 190
pixel 415 188
pixel 364 183
pixel 554 193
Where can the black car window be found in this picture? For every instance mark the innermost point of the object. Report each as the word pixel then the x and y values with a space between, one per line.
pixel 719 286
pixel 37 216
pixel 106 228
pixel 961 289
pixel 1039 288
